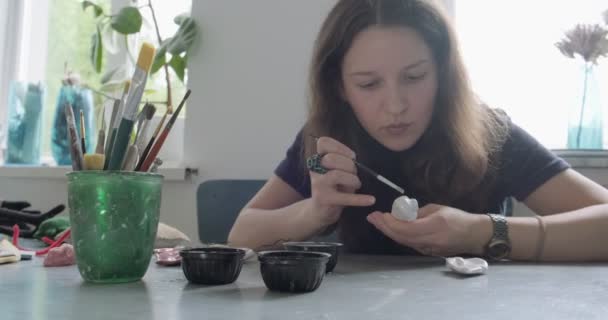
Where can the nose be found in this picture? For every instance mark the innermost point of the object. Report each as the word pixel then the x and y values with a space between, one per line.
pixel 396 100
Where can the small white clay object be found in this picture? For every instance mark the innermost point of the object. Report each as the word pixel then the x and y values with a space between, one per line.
pixel 470 266
pixel 405 208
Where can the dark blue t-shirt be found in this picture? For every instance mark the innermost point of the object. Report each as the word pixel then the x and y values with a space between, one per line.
pixel 524 165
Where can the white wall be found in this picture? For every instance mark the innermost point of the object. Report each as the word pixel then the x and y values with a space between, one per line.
pixel 248 78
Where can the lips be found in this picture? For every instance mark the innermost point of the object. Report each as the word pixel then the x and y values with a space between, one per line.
pixel 397 126
pixel 397 129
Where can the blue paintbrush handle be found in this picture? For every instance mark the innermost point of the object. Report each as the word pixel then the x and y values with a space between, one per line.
pixel 109 147
pixel 121 143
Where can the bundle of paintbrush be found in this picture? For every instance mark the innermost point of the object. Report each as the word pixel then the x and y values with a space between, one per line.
pixel 126 149
pixel 80 159
pixel 151 151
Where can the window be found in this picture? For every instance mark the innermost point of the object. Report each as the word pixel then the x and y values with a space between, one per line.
pixel 54 34
pixel 509 49
pixel 68 45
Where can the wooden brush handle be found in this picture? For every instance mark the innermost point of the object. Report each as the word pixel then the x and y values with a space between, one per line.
pixel 154 151
pixel 144 154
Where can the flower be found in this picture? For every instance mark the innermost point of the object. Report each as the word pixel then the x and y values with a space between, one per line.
pixel 587 40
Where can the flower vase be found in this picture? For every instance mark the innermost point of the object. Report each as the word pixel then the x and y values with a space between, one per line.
pixel 585 127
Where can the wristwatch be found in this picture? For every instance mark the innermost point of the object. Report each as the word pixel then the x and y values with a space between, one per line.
pixel 499 247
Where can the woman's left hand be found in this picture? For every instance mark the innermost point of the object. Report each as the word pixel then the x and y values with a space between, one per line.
pixel 438 230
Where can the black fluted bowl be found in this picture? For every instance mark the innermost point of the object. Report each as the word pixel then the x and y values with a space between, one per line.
pixel 212 266
pixel 293 271
pixel 328 247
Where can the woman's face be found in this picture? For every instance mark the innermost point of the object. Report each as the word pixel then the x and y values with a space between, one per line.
pixel 389 79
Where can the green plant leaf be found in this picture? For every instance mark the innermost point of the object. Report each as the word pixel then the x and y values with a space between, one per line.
pixel 112 87
pixel 183 38
pixel 178 64
pixel 159 58
pixel 108 75
pixel 97 50
pixel 96 9
pixel 180 18
pixel 127 21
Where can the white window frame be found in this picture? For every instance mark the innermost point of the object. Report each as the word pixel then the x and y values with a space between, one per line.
pixel 11 13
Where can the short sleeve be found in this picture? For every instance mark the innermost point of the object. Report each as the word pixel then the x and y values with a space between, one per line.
pixel 526 164
pixel 292 170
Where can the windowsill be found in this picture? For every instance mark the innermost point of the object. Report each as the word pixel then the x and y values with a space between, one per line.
pixel 40 172
pixel 584 158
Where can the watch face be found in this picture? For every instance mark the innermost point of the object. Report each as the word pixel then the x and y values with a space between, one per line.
pixel 499 249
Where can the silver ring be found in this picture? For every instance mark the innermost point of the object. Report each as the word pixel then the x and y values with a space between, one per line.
pixel 314 164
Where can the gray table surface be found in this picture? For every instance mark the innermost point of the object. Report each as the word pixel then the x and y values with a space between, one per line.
pixel 362 287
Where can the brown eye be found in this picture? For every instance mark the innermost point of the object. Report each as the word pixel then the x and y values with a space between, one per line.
pixel 369 84
pixel 415 77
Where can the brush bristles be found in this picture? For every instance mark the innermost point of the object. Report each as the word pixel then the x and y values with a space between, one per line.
pixel 146 55
pixel 94 161
pixel 150 111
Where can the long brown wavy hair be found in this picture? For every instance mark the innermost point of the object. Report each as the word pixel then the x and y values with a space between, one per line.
pixel 454 159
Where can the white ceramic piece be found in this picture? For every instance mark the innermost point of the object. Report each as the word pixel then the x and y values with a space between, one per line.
pixel 405 208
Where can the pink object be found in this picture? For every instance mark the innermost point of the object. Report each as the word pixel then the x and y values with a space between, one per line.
pixel 167 256
pixel 60 256
pixel 65 235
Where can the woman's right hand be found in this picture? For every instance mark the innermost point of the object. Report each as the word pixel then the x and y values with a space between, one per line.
pixel 334 190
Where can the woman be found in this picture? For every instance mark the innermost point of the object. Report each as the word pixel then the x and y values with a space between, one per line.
pixel 388 87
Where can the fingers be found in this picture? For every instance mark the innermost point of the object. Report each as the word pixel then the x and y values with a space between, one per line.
pixel 378 221
pixel 337 188
pixel 336 161
pixel 330 194
pixel 326 145
pixel 414 234
pixel 353 200
pixel 341 178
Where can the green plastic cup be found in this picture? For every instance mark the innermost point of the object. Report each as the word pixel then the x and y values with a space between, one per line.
pixel 114 217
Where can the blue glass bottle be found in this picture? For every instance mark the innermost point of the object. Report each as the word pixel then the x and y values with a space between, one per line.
pixel 80 99
pixel 24 124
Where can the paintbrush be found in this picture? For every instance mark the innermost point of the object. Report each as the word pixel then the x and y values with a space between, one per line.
pixel 75 151
pixel 374 174
pixel 111 133
pixel 136 90
pixel 378 176
pixel 141 116
pixel 95 161
pixel 161 139
pixel 142 133
pixel 131 158
pixel 144 154
pixel 82 133
pixel 101 136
